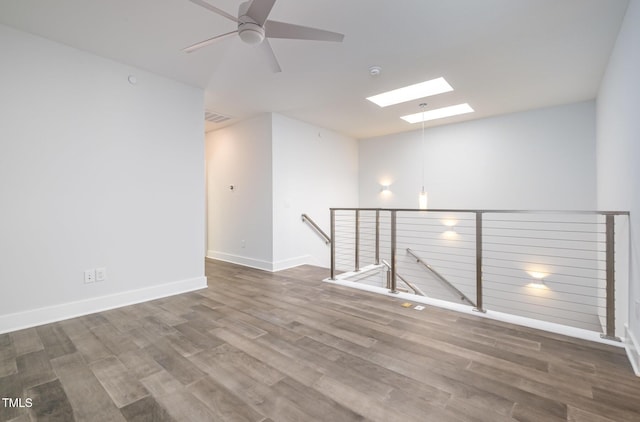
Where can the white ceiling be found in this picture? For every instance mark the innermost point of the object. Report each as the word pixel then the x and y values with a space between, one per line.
pixel 500 56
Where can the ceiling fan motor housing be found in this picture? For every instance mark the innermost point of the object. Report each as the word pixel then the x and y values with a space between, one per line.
pixel 250 32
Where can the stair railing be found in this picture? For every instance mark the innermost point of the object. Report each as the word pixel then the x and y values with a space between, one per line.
pixel 497 239
pixel 441 278
pixel 416 289
pixel 316 228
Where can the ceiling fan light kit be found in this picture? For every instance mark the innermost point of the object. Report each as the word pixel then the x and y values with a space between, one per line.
pixel 255 29
pixel 251 33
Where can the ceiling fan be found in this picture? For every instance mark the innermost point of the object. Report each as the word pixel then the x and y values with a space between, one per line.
pixel 255 28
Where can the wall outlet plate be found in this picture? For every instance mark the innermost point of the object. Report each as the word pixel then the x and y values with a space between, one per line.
pixel 89 276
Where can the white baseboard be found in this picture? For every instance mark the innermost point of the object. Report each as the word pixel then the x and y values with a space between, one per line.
pixel 46 315
pixel 633 350
pixel 291 262
pixel 258 263
pixel 240 260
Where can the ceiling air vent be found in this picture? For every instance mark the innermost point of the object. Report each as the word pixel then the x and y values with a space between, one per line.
pixel 213 117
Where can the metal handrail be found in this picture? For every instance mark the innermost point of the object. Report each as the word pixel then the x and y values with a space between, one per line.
pixel 440 277
pixel 415 289
pixel 325 237
pixel 488 211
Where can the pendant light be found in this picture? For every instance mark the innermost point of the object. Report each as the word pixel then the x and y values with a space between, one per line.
pixel 422 198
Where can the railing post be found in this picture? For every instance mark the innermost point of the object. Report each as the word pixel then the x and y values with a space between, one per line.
pixel 377 237
pixel 393 253
pixel 611 278
pixel 333 244
pixel 357 240
pixel 479 305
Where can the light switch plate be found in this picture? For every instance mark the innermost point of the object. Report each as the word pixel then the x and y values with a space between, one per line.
pixel 101 274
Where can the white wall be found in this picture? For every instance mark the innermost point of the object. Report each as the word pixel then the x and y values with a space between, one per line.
pixel 540 159
pixel 240 223
pixel 281 168
pixel 618 146
pixel 314 169
pixel 543 159
pixel 95 172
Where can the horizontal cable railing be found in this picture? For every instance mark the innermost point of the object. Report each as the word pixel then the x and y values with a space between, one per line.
pixel 556 266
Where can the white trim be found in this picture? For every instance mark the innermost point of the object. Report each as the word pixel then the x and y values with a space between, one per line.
pixel 259 263
pixel 500 316
pixel 241 260
pixel 633 349
pixel 35 317
pixel 291 262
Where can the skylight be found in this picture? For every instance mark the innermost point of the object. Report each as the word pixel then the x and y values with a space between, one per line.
pixel 411 92
pixel 438 113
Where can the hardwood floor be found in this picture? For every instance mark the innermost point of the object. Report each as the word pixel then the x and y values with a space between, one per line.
pixel 257 346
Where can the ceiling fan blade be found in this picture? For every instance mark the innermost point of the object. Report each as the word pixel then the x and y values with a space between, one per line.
pixel 201 44
pixel 214 9
pixel 259 10
pixel 275 29
pixel 265 47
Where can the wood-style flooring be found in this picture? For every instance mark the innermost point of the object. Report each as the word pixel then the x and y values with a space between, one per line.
pixel 257 346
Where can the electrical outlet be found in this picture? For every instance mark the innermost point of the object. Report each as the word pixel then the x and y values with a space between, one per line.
pixel 243 244
pixel 89 276
pixel 101 274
